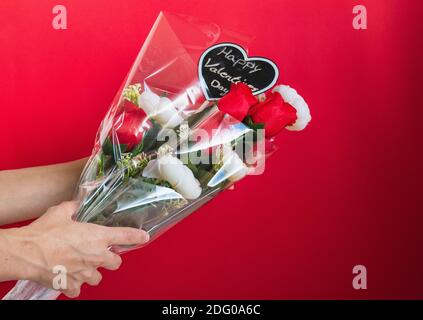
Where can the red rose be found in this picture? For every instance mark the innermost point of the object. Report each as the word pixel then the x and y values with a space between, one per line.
pixel 130 125
pixel 237 101
pixel 274 113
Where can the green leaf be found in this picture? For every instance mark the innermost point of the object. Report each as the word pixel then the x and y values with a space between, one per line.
pixel 250 123
pixel 150 138
pixel 107 147
pixel 138 148
pixel 110 150
pixel 258 126
pixel 100 168
pixel 193 168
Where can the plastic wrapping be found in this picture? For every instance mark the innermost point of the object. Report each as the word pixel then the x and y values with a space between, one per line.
pixel 163 149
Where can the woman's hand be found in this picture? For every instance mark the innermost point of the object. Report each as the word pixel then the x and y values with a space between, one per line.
pixel 56 240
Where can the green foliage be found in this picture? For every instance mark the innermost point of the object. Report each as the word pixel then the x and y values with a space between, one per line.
pixel 150 137
pixel 138 148
pixel 100 166
pixel 109 149
pixel 248 121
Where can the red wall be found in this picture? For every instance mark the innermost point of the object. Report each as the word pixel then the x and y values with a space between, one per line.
pixel 344 192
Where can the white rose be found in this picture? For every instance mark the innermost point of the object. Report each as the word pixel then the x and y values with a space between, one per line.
pixel 151 170
pixel 234 167
pixel 291 96
pixel 179 176
pixel 288 94
pixel 167 114
pixel 161 109
pixel 148 101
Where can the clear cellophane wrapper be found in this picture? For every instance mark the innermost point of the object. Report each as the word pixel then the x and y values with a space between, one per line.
pixel 124 188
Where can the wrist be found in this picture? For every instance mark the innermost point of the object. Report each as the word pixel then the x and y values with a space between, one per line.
pixel 18 259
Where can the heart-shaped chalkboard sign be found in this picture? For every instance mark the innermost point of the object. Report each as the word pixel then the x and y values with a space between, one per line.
pixel 227 63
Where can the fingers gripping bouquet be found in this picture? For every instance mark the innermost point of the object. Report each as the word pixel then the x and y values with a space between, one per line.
pixel 195 115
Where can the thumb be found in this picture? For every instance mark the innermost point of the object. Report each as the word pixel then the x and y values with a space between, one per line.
pixel 68 208
pixel 125 236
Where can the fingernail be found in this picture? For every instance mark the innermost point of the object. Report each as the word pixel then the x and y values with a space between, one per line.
pixel 146 236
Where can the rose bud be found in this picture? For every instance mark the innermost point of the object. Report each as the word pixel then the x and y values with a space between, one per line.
pixel 167 114
pixel 161 109
pixel 151 170
pixel 179 176
pixel 234 167
pixel 274 113
pixel 237 101
pixel 291 96
pixel 148 101
pixel 130 125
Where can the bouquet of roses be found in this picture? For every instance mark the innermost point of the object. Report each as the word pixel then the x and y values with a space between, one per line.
pixel 195 114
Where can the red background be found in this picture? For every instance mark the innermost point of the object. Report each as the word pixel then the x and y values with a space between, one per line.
pixel 346 191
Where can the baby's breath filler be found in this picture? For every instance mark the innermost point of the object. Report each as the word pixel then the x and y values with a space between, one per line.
pixel 132 92
pixel 133 166
pixel 164 150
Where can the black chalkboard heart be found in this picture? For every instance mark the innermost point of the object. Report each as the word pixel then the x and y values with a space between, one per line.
pixel 227 63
